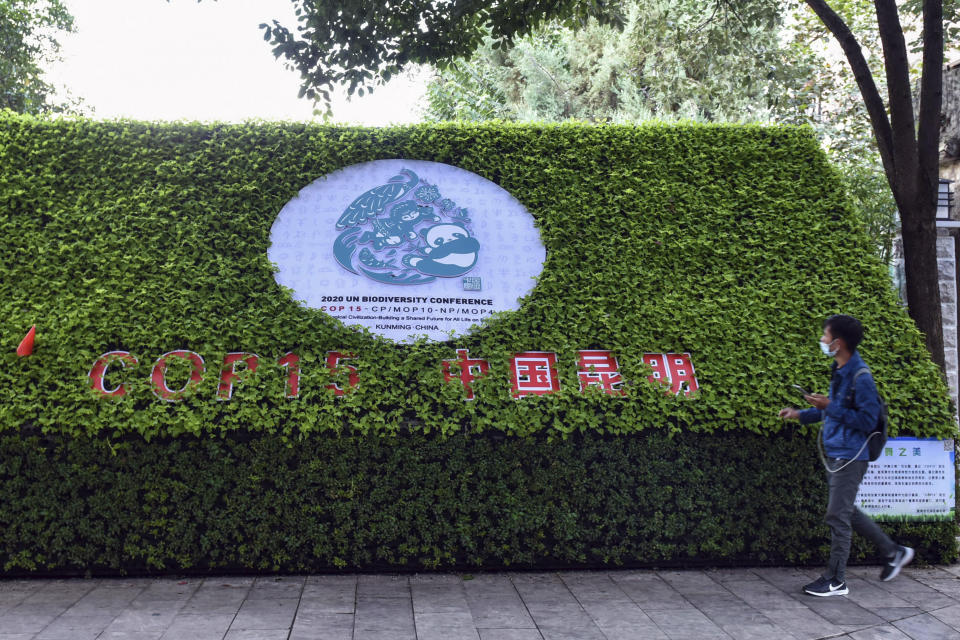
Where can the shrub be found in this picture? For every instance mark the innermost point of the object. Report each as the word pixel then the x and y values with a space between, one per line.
pixel 731 243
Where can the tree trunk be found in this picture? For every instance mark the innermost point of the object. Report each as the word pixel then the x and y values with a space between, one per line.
pixel 922 275
pixel 923 223
pixel 909 150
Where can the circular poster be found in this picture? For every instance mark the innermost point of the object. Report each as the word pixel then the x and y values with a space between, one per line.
pixel 406 248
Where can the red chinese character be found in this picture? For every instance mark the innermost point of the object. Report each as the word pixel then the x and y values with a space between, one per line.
pixel 681 373
pixel 534 373
pixel 470 370
pixel 599 368
pixel 333 363
pixel 657 362
pixel 673 369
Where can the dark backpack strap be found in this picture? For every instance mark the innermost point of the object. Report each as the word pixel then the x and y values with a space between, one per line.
pixel 853 386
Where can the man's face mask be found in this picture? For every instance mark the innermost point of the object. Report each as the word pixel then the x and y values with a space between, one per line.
pixel 825 347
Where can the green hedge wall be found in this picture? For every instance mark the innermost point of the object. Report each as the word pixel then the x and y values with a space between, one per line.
pixel 732 243
pixel 728 242
pixel 418 501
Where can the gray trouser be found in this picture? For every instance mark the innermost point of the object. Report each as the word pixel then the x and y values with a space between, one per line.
pixel 843 517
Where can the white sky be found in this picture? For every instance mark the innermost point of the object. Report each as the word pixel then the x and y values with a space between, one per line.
pixel 183 60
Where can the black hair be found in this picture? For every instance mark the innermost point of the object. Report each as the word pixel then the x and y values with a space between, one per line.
pixel 846 327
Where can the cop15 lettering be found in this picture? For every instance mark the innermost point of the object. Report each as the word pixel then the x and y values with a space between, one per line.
pixel 531 372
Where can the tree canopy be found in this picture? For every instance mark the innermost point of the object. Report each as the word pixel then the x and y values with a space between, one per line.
pixel 358 44
pixel 682 57
pixel 28 39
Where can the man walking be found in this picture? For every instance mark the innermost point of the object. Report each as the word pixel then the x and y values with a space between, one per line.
pixel 849 414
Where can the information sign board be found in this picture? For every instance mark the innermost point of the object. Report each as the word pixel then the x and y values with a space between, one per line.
pixel 912 480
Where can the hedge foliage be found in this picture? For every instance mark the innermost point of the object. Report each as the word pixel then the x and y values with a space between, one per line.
pixel 731 243
pixel 728 242
pixel 418 501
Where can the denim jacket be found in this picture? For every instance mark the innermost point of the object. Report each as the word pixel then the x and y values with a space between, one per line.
pixel 845 428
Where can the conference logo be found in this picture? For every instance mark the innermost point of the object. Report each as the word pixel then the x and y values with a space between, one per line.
pixel 407 248
pixel 405 232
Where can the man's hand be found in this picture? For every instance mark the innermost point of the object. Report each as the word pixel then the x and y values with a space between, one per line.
pixel 818 400
pixel 789 414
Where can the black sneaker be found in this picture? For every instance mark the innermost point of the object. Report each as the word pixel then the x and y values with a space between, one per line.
pixel 823 587
pixel 900 559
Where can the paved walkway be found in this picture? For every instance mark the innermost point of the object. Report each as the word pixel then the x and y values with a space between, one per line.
pixel 923 604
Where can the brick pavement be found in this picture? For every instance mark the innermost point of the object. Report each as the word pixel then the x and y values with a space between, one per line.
pixel 747 604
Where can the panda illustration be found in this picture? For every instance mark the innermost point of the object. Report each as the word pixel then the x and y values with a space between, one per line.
pixel 451 251
pixel 398 226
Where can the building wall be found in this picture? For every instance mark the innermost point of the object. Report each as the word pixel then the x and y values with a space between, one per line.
pixel 947 267
pixel 950 110
pixel 950 126
pixel 947 244
pixel 947 276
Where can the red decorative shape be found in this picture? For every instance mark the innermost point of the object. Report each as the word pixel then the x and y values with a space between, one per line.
pixel 25 347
